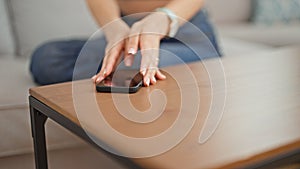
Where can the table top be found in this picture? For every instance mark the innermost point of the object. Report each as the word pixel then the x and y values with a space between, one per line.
pixel 261 117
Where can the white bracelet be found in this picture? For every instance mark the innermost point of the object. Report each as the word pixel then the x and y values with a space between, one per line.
pixel 174 26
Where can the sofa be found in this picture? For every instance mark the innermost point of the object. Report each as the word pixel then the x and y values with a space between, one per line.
pixel 26 24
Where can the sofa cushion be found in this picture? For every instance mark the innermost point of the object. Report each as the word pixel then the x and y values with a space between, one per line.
pixel 15 133
pixel 15 130
pixel 6 38
pixel 232 47
pixel 276 11
pixel 37 21
pixel 229 11
pixel 15 82
pixel 276 36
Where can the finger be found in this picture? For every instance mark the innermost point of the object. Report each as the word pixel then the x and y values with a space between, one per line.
pixel 112 60
pixel 149 48
pixel 159 75
pixel 147 53
pixel 100 76
pixel 151 73
pixel 133 38
pixel 149 77
pixel 128 56
pixel 132 44
pixel 146 81
pixel 109 62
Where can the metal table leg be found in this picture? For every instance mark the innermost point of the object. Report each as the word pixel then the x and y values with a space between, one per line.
pixel 38 133
pixel 39 114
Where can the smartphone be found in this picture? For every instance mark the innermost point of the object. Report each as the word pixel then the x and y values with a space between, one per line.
pixel 121 81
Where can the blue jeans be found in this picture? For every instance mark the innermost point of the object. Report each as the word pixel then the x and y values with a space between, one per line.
pixel 54 62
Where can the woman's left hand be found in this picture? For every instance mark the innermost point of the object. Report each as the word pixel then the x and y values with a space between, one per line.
pixel 147 34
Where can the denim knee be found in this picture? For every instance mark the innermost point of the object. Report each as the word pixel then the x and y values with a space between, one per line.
pixel 53 62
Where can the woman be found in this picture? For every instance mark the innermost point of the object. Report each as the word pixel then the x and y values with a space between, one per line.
pixel 146 32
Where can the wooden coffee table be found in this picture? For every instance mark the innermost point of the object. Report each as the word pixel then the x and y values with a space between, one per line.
pixel 260 126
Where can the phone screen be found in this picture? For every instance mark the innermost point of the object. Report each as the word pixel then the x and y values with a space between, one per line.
pixel 121 81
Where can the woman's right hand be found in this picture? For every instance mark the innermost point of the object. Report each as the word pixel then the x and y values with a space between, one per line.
pixel 116 34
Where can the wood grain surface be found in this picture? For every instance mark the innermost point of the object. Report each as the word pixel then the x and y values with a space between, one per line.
pixel 261 118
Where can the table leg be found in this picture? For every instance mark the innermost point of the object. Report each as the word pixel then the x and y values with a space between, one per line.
pixel 38 133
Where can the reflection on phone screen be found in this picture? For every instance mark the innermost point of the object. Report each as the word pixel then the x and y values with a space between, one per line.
pixel 122 78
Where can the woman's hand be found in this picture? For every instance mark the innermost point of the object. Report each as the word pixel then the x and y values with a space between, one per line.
pixel 116 34
pixel 147 34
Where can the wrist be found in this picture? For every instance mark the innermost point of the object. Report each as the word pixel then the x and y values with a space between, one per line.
pixel 174 22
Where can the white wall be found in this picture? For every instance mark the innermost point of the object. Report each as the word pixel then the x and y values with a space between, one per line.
pixel 6 39
pixel 37 21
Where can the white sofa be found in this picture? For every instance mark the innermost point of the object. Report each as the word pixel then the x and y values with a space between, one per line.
pixel 27 23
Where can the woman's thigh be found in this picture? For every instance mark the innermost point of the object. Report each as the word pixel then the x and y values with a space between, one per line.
pixel 185 51
pixel 54 62
pixel 62 61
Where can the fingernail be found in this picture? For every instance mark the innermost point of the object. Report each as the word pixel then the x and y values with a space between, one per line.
pixel 154 79
pixel 131 51
pixel 143 72
pixel 104 72
pixel 148 82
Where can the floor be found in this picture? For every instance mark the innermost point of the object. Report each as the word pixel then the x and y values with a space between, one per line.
pixel 84 157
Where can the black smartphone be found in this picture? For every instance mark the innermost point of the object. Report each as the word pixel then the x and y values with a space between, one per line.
pixel 121 81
